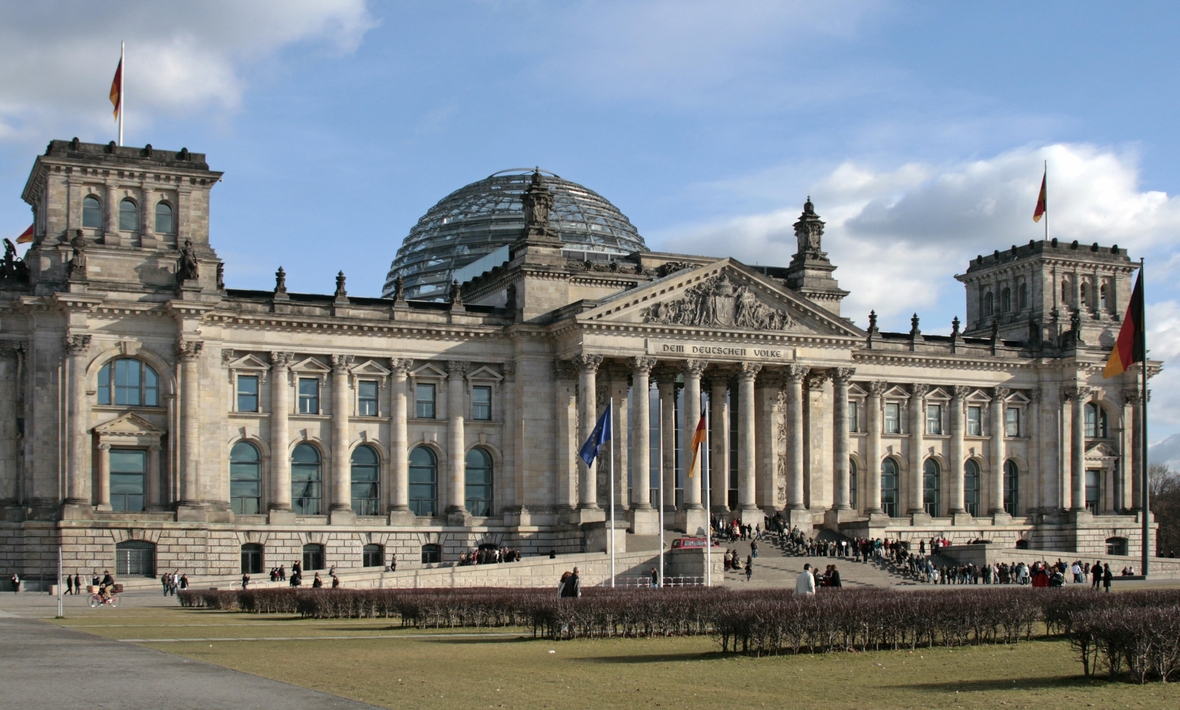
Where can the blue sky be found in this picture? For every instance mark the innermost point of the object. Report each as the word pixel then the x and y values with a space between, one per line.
pixel 919 128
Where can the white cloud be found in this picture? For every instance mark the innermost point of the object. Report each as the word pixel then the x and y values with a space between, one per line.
pixel 60 56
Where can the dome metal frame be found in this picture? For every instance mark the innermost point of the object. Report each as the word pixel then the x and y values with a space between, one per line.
pixel 478 218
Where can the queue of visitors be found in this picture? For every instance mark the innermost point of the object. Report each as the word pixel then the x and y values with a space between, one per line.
pixel 490 555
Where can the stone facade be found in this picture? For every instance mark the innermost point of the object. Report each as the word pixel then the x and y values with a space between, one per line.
pixel 152 419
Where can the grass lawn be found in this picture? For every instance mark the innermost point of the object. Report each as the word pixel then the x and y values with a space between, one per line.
pixel 383 664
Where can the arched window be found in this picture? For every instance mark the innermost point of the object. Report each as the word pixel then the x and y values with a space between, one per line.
pixel 373 556
pixel 988 304
pixel 479 483
pixel 423 481
pixel 245 479
pixel 128 215
pixel 1102 301
pixel 164 222
pixel 251 558
pixel 930 487
pixel 1066 292
pixel 852 483
pixel 1116 545
pixel 1023 297
pixel 971 487
pixel 135 558
pixel 1005 300
pixel 889 487
pixel 91 212
pixel 365 477
pixel 431 554
pixel 306 477
pixel 1011 487
pixel 128 383
pixel 313 557
pixel 1095 421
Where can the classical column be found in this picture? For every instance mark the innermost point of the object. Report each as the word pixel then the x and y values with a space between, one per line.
pixel 747 449
pixel 840 379
pixel 78 485
pixel 997 449
pixel 189 353
pixel 280 458
pixel 103 494
pixel 153 478
pixel 620 448
pixel 666 384
pixel 456 439
pixel 341 471
pixel 1035 474
pixel 587 417
pixel 399 465
pixel 692 415
pixel 958 426
pixel 917 444
pixel 795 375
pixel 565 415
pixel 719 443
pixel 1077 450
pixel 641 433
pixel 873 464
pixel 1135 423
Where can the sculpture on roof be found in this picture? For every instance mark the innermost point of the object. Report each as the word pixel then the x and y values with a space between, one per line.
pixel 187 267
pixel 809 231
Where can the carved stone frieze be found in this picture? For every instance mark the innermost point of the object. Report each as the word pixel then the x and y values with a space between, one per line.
pixel 717 302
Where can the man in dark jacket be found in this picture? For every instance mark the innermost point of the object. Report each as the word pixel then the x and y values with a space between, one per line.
pixel 573 585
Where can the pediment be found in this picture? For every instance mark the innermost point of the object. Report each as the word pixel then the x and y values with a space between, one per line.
pixel 129 424
pixel 978 397
pixel 248 362
pixel 1100 451
pixel 937 394
pixel 722 296
pixel 369 368
pixel 310 364
pixel 485 373
pixel 1018 397
pixel 428 371
pixel 896 392
pixel 855 390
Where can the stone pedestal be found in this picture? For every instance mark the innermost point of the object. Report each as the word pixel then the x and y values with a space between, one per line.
pixel 583 516
pixel 1001 518
pixel 750 516
pixel 458 518
pixel 401 517
pixel 341 516
pixel 281 517
pixel 77 511
pixel 833 517
pixel 644 521
pixel 191 514
pixel 802 518
pixel 693 521
pixel 920 518
pixel 598 536
pixel 963 519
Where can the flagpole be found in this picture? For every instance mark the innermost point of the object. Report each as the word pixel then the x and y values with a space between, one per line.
pixel 610 406
pixel 122 83
pixel 660 478
pixel 1146 477
pixel 708 507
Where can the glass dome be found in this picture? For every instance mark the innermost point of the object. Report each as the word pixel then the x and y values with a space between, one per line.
pixel 485 215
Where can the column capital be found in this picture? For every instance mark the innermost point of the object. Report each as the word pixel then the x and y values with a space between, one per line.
pixel 280 360
pixel 1001 393
pixel 401 365
pixel 587 363
pixel 189 350
pixel 107 447
pixel 154 448
pixel 843 375
pixel 878 387
pixel 341 363
pixel 816 381
pixel 457 368
pixel 1034 395
pixel 76 344
pixel 508 368
pixel 695 367
pixel 796 373
pixel 919 389
pixel 643 365
pixel 1076 392
pixel 749 370
pixel 958 392
pixel 1133 397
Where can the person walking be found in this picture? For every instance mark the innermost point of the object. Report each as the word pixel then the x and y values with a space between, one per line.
pixel 573 586
pixel 77 584
pixel 655 577
pixel 245 581
pixel 805 582
pixel 1107 577
pixel 317 583
pixel 834 577
pixel 749 567
pixel 1096 573
pixel 15 582
pixel 69 584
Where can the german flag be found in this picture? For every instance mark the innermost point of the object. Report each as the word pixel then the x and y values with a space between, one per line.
pixel 117 88
pixel 697 440
pixel 1131 347
pixel 25 236
pixel 1042 199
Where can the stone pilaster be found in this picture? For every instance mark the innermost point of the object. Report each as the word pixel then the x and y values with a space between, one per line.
pixel 340 512
pixel 399 454
pixel 456 510
pixel 747 443
pixel 795 452
pixel 917 447
pixel 103 493
pixel 78 476
pixel 644 519
pixel 188 352
pixel 997 450
pixel 873 464
pixel 280 456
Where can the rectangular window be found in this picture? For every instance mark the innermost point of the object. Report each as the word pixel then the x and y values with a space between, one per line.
pixel 481 403
pixel 128 485
pixel 366 398
pixel 424 401
pixel 853 417
pixel 309 395
pixel 247 393
pixel 892 418
pixel 1012 422
pixel 933 418
pixel 974 421
pixel 1093 489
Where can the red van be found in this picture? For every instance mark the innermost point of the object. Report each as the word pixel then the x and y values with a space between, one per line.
pixel 684 543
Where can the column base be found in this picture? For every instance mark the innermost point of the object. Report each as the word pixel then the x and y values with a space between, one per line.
pixel 77 511
pixel 458 517
pixel 582 516
pixel 801 518
pixel 645 521
pixel 281 516
pixel 401 516
pixel 598 536
pixel 750 516
pixel 962 518
pixel 103 508
pixel 834 516
pixel 920 518
pixel 191 513
pixel 999 517
pixel 1080 515
pixel 693 521
pixel 341 516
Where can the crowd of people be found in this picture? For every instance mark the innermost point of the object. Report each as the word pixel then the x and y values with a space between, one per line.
pixel 173 582
pixel 489 555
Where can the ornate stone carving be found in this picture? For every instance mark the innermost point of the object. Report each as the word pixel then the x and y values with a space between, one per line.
pixel 564 370
pixel 76 269
pixel 695 367
pixel 796 373
pixel 1079 392
pixel 341 363
pixel 341 292
pixel 671 267
pixel 843 375
pixel 749 370
pixel 456 296
pixel 187 350
pixel 187 268
pixel 919 390
pixel 280 360
pixel 399 289
pixel 458 368
pixel 228 355
pixel 77 344
pixel 716 302
pixel 1132 397
pixel 220 276
pixel 816 381
pixel 280 282
pixel 878 387
pixel 587 363
pixel 643 364
pixel 809 231
pixel 13 270
pixel 959 391
pixel 1001 393
pixel 401 365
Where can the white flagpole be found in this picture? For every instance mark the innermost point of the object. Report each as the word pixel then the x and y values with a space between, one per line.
pixel 708 507
pixel 122 84
pixel 60 611
pixel 660 478
pixel 610 407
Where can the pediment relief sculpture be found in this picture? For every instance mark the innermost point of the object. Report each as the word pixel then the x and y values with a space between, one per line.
pixel 717 302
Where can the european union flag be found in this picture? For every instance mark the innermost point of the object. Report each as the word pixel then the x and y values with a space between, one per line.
pixel 598 437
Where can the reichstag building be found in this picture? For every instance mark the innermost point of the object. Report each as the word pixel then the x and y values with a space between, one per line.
pixel 154 419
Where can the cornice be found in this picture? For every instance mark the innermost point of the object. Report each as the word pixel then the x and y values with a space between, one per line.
pixel 928 361
pixel 360 327
pixel 691 333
